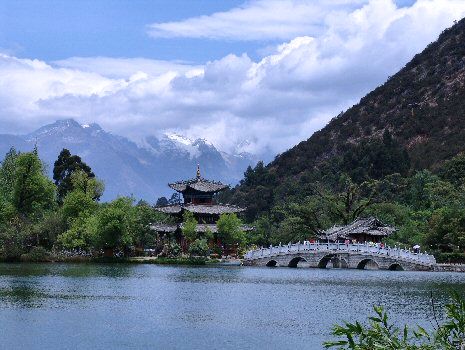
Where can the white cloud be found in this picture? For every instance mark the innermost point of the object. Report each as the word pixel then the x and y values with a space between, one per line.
pixel 256 20
pixel 273 103
pixel 123 67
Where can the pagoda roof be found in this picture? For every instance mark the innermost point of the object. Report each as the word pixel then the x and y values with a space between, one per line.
pixel 169 228
pixel 370 226
pixel 170 209
pixel 198 184
pixel 214 209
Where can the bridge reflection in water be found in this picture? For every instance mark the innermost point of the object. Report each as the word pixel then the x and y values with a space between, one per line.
pixel 340 255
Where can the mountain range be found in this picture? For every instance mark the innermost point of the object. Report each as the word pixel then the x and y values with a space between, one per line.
pixel 127 168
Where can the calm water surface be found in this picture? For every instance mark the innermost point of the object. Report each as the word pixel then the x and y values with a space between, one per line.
pixel 67 306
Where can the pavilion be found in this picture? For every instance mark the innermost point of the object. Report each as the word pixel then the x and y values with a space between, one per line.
pixel 198 198
pixel 361 230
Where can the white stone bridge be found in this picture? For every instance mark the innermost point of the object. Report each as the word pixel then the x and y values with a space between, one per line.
pixel 340 255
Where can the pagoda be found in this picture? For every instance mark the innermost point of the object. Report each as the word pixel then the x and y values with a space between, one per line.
pixel 199 199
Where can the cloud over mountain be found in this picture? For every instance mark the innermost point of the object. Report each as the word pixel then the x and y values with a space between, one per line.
pixel 329 60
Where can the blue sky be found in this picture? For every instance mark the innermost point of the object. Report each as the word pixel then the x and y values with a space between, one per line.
pixel 256 76
pixel 109 28
pixel 55 30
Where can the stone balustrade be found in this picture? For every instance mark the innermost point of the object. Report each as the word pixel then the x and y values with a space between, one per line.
pixel 376 252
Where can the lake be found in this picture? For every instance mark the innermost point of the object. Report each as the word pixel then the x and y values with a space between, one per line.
pixel 119 306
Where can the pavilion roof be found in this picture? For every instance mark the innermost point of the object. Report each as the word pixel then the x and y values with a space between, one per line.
pixel 214 209
pixel 170 209
pixel 198 184
pixel 369 226
pixel 169 228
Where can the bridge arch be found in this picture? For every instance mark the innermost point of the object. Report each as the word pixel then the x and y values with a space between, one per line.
pixel 396 267
pixel 271 263
pixel 368 264
pixel 336 261
pixel 295 261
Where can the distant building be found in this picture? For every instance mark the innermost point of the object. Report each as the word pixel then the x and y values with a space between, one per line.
pixel 198 198
pixel 362 230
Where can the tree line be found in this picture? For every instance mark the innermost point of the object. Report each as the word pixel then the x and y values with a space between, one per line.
pixel 42 219
pixel 39 216
pixel 427 207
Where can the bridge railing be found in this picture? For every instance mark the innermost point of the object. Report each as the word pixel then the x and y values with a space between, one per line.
pixel 364 248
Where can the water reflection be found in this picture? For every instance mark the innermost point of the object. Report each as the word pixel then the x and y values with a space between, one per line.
pixel 147 306
pixel 21 294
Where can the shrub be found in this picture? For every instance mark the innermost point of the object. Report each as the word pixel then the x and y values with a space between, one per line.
pixel 37 254
pixel 199 248
pixel 380 334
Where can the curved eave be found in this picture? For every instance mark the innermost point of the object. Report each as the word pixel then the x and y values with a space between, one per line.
pixel 169 209
pixel 212 209
pixel 200 185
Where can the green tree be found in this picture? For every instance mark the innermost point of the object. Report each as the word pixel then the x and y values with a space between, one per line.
pixel 90 185
pixel 8 174
pixel 446 229
pixel 33 192
pixel 199 247
pixel 64 167
pixel 161 202
pixel 418 196
pixel 78 203
pixel 350 200
pixel 262 234
pixel 80 235
pixel 114 225
pixel 453 170
pixel 189 226
pixel 145 216
pixel 230 229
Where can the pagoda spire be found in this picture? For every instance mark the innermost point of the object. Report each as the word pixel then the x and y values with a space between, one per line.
pixel 198 171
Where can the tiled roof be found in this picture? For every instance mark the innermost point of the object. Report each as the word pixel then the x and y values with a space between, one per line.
pixel 198 184
pixel 369 226
pixel 215 209
pixel 170 209
pixel 200 228
pixel 164 227
pixel 212 209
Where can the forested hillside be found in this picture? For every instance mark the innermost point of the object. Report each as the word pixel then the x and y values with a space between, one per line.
pixel 422 107
pixel 392 143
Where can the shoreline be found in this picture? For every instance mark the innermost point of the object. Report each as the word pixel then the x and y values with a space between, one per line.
pixel 188 261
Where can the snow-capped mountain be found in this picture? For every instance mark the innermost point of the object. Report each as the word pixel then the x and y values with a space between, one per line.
pixel 127 168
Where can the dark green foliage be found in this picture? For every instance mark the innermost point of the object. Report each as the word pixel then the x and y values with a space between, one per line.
pixel 8 174
pixel 381 334
pixel 230 229
pixel 375 159
pixel 175 199
pixel 33 192
pixel 446 230
pixel 64 167
pixel 189 226
pixel 161 202
pixel 412 122
pixel 453 170
pixel 113 225
pixel 199 248
pixel 37 254
pixel 31 222
pixel 144 217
